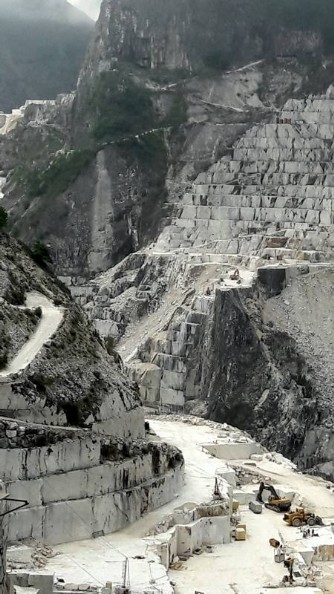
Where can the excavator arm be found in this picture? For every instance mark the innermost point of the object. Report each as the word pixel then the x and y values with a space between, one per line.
pixel 275 502
pixel 264 487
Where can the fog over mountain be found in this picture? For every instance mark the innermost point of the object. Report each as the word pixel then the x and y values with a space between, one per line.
pixel 42 45
pixel 90 7
pixel 59 10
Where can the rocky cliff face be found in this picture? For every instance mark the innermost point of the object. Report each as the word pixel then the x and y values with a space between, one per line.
pixel 265 363
pixel 3 548
pixel 240 345
pixel 156 104
pixel 191 35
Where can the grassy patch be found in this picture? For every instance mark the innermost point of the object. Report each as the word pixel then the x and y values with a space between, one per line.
pixel 60 174
pixel 148 150
pixel 120 107
pixel 216 61
pixel 56 178
pixel 177 114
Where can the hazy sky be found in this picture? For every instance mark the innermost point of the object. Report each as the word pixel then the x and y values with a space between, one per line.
pixel 91 7
pixel 33 9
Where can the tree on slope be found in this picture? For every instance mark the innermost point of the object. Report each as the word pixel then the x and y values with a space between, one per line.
pixel 3 218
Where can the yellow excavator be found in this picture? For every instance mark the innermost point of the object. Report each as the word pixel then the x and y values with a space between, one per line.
pixel 275 502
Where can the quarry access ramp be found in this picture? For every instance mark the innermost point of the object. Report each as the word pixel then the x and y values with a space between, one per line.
pixel 50 320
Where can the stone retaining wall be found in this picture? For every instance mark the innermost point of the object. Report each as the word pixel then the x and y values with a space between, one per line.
pixel 84 484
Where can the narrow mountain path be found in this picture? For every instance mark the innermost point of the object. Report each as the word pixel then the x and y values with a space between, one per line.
pixel 243 68
pixel 48 325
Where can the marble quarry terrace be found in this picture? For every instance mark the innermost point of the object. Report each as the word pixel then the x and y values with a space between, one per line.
pixel 109 482
pixel 271 198
pixel 207 528
pixel 261 217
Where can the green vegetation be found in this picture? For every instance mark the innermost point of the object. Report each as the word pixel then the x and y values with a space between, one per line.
pixel 110 345
pixel 121 107
pixel 177 114
pixel 149 150
pixel 216 60
pixel 57 177
pixel 15 292
pixel 165 76
pixel 235 30
pixel 40 254
pixel 62 172
pixel 38 312
pixel 3 217
pixel 3 361
pixel 120 110
pixel 41 381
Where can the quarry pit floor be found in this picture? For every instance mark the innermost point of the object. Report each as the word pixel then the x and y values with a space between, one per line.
pixel 241 567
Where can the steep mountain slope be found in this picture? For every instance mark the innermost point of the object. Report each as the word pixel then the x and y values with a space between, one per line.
pixel 69 378
pixel 72 433
pixel 42 44
pixel 153 70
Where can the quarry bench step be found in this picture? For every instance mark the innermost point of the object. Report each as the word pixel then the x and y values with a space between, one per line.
pixel 258 201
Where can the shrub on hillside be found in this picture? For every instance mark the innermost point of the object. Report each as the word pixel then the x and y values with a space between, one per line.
pixel 122 108
pixel 3 217
pixel 40 254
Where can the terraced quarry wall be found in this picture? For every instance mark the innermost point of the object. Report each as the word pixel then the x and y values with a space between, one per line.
pixel 190 312
pixel 78 484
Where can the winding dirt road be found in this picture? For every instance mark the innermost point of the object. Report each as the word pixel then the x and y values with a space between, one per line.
pixel 47 326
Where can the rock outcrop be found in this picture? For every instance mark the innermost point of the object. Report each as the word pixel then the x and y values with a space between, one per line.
pixel 172 34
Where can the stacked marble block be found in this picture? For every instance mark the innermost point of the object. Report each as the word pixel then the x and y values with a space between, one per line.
pixel 279 182
pixel 163 370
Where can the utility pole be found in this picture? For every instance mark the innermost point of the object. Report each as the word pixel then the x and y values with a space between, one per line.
pixel 126 574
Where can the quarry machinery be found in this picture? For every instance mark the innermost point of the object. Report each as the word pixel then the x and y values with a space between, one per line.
pixel 275 502
pixel 300 517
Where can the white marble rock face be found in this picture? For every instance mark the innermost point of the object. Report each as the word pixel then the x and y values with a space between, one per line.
pixel 271 198
pixel 291 158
